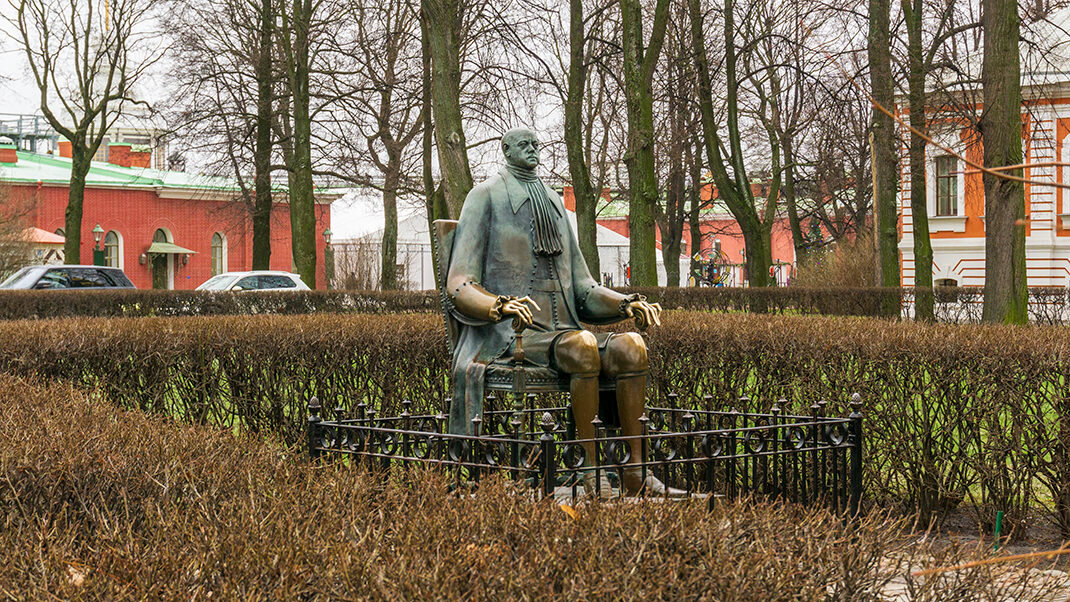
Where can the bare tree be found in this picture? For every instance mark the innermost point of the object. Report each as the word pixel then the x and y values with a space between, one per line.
pixel 445 37
pixel 1006 295
pixel 85 56
pixel 377 124
pixel 733 187
pixel 640 59
pixel 225 67
pixel 883 147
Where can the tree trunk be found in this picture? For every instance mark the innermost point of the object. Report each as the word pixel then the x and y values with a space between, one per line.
pixel 444 46
pixel 798 239
pixel 435 209
pixel 81 161
pixel 388 273
pixel 694 214
pixel 262 152
pixel 923 249
pixel 639 101
pixel 885 160
pixel 579 171
pixel 302 201
pixel 1006 295
pixel 672 224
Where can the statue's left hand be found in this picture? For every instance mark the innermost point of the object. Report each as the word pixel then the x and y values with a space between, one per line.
pixel 644 314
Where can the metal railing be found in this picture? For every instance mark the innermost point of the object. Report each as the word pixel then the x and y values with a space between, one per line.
pixel 810 459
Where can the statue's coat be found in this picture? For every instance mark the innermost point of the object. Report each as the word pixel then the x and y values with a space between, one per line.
pixel 492 247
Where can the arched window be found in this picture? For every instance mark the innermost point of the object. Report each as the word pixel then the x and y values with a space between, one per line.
pixel 111 249
pixel 219 253
pixel 61 232
pixel 160 235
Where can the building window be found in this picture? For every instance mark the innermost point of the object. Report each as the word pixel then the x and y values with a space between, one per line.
pixel 945 282
pixel 61 232
pixel 946 185
pixel 111 249
pixel 160 235
pixel 219 254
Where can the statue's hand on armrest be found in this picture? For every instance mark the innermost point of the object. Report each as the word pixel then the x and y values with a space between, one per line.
pixel 645 314
pixel 518 309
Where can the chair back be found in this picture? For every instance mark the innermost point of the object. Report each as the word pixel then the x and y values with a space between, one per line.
pixel 442 230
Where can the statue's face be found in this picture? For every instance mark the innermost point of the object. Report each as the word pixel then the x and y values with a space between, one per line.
pixel 521 149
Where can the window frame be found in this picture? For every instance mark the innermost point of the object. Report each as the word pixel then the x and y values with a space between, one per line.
pixel 115 261
pixel 220 261
pixel 946 205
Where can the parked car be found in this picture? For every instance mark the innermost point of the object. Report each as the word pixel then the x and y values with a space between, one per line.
pixel 67 277
pixel 262 280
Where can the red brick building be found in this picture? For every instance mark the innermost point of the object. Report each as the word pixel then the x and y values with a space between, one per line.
pixel 718 226
pixel 164 229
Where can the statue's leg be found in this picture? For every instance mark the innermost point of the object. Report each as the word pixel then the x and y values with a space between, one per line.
pixel 576 354
pixel 625 357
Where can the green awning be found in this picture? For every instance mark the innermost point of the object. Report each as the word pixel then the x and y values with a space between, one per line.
pixel 164 248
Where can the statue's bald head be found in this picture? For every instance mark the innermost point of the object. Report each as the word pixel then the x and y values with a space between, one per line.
pixel 521 148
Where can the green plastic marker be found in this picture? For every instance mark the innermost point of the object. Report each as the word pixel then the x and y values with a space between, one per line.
pixel 999 527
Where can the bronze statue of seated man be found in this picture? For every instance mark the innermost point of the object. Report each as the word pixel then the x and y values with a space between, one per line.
pixel 515 256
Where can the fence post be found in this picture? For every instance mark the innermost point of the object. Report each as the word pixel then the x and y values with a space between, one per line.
pixel 778 462
pixel 313 429
pixel 855 501
pixel 476 448
pixel 548 453
pixel 815 437
pixel 730 468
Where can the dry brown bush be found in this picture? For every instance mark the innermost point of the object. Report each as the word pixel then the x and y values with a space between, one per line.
pixel 848 263
pixel 956 417
pixel 98 503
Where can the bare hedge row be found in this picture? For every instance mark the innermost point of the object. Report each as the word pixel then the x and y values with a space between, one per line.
pixel 98 503
pixel 21 305
pixel 954 414
pixel 953 305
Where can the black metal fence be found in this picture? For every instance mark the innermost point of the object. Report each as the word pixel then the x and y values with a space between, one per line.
pixel 812 459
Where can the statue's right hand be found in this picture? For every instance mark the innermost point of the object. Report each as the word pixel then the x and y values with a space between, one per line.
pixel 518 308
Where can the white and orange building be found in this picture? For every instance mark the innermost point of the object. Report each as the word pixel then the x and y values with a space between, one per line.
pixel 956 199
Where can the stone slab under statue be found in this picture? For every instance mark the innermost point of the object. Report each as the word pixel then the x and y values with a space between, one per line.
pixel 516 265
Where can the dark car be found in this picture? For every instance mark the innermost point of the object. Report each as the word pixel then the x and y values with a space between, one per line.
pixel 67 277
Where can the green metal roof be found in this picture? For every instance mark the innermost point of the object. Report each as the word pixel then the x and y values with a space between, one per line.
pixel 32 168
pixel 166 248
pixel 50 169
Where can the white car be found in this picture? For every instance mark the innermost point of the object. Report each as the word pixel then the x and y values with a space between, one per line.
pixel 261 280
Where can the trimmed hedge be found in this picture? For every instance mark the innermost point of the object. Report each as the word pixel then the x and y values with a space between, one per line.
pixel 102 504
pixel 23 305
pixel 1047 305
pixel 61 304
pixel 954 414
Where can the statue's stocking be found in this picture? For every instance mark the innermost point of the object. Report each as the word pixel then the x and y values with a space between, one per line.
pixel 584 390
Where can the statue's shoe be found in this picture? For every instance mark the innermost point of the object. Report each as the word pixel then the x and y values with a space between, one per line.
pixel 634 484
pixel 597 484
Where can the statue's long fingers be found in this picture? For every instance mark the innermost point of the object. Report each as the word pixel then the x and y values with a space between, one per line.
pixel 655 313
pixel 523 314
pixel 649 316
pixel 531 301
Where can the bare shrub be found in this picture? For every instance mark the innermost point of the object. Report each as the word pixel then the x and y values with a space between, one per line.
pixel 99 503
pixel 849 262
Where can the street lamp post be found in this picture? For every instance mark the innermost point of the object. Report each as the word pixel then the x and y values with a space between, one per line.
pixel 328 258
pixel 98 253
